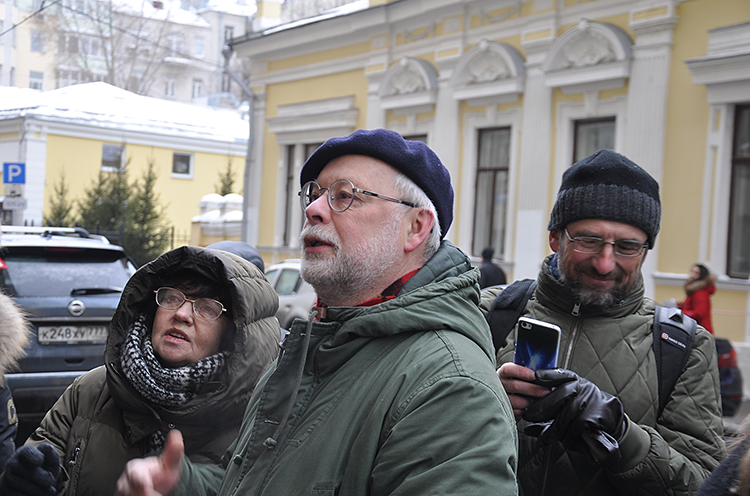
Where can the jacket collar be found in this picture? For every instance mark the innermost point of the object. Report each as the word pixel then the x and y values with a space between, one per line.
pixel 555 295
pixel 443 294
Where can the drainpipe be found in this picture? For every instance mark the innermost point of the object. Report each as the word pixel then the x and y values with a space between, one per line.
pixel 248 219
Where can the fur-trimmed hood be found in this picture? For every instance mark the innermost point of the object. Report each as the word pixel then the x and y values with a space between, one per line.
pixel 14 333
pixel 698 284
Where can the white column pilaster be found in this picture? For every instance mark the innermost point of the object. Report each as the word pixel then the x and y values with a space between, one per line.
pixel 534 173
pixel 645 128
pixel 444 141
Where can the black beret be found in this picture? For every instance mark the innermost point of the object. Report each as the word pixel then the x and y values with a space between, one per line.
pixel 607 185
pixel 412 158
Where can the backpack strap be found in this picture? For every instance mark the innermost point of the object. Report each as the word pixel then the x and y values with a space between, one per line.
pixel 507 308
pixel 673 341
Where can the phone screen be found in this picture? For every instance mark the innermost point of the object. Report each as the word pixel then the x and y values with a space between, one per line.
pixel 537 344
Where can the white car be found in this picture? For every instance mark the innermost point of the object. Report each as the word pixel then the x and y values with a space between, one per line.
pixel 296 297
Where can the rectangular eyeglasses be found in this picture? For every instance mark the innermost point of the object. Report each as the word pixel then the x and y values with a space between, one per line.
pixel 591 245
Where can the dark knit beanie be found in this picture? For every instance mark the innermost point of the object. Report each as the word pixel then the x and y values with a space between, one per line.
pixel 412 158
pixel 606 185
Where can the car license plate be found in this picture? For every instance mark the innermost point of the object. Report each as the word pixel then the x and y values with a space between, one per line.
pixel 72 334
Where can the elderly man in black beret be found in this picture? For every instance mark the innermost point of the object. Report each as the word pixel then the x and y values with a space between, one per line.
pixel 633 409
pixel 389 387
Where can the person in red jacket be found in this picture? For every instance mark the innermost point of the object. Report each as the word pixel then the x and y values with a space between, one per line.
pixel 699 288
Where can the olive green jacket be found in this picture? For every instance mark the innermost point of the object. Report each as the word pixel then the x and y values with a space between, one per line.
pixel 100 422
pixel 400 398
pixel 671 455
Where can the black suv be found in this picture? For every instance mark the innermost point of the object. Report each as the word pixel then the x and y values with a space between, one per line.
pixel 69 283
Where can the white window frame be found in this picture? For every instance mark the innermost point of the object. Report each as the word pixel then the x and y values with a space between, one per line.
pixel 170 85
pixel 199 47
pixel 191 165
pixel 473 124
pixel 36 80
pixel 570 112
pixel 37 41
pixel 106 168
pixel 197 88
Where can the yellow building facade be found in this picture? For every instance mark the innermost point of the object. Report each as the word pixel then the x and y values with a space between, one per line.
pixel 82 130
pixel 509 93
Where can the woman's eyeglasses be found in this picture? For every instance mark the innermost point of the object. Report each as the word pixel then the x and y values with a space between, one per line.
pixel 205 308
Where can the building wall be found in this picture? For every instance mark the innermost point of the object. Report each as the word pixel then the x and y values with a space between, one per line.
pixel 208 68
pixel 80 160
pixel 686 199
pixel 32 60
pixel 665 120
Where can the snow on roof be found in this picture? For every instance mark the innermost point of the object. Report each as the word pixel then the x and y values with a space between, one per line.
pixel 231 7
pixel 348 8
pixel 171 12
pixel 106 106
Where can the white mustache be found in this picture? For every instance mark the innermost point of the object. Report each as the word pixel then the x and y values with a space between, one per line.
pixel 319 234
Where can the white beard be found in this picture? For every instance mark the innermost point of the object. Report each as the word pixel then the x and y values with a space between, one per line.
pixel 344 276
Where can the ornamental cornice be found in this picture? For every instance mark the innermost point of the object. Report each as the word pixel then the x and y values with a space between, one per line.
pixel 591 53
pixel 489 70
pixel 409 86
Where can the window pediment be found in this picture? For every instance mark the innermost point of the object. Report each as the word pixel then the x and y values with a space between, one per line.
pixel 490 71
pixel 590 56
pixel 409 86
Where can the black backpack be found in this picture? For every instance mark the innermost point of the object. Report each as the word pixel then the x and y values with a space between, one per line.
pixel 673 333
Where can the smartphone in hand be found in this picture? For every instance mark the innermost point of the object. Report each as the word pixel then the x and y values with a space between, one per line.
pixel 537 344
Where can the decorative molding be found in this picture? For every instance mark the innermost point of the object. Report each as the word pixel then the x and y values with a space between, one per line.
pixel 379 42
pixel 409 86
pixel 453 24
pixel 591 56
pixel 489 18
pixel 422 33
pixel 726 69
pixel 652 20
pixel 315 121
pixel 489 71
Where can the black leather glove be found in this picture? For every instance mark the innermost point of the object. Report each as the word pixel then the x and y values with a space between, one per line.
pixel 578 414
pixel 32 471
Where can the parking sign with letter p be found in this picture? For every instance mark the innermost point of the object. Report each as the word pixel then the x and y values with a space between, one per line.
pixel 14 173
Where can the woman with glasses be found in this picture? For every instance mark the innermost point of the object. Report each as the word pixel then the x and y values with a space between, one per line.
pixel 192 334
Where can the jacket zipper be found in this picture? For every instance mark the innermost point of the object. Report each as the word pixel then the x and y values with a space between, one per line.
pixel 575 312
pixel 76 451
pixel 73 469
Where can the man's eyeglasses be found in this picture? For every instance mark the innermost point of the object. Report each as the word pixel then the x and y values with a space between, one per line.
pixel 590 245
pixel 340 195
pixel 205 308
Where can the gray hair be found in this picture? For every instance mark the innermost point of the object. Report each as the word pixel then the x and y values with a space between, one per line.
pixel 412 193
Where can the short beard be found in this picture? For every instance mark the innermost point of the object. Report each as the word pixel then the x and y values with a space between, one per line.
pixel 347 276
pixel 591 298
pixel 587 297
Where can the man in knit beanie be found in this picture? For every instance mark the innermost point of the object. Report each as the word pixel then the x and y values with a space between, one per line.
pixel 604 422
pixel 389 386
